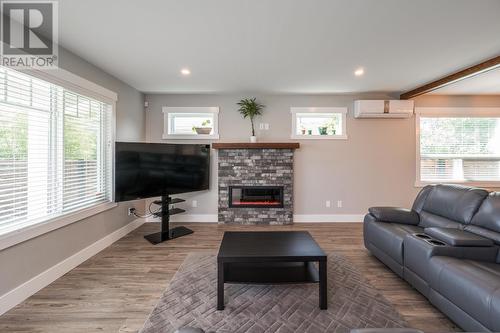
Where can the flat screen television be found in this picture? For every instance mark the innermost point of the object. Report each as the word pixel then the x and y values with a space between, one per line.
pixel 145 170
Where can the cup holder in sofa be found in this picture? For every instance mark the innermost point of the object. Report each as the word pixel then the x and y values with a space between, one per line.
pixel 435 242
pixel 423 236
pixel 429 240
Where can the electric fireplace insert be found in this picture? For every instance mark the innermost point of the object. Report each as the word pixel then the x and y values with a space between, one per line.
pixel 256 196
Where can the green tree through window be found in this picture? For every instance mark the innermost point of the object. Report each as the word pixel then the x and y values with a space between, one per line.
pixel 80 139
pixel 13 137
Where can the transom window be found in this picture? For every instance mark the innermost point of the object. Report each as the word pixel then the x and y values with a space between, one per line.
pixel 191 123
pixel 318 123
pixel 458 145
pixel 55 151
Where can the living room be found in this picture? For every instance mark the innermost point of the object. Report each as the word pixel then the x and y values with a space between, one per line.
pixel 238 166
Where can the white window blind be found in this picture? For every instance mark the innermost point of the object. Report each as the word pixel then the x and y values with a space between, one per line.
pixel 55 151
pixel 459 149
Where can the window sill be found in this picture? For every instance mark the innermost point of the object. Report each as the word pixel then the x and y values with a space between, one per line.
pixel 319 137
pixel 486 184
pixel 26 233
pixel 191 136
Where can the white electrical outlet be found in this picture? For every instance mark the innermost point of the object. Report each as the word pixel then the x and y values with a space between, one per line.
pixel 339 203
pixel 266 126
pixel 194 203
pixel 261 126
pixel 328 204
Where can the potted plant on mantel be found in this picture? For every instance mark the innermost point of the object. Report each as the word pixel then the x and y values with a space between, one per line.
pixel 250 108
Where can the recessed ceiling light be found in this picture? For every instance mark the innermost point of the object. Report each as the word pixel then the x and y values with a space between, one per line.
pixel 185 71
pixel 359 72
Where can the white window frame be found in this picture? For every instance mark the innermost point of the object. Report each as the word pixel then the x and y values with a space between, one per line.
pixel 209 110
pixel 87 88
pixel 444 112
pixel 342 110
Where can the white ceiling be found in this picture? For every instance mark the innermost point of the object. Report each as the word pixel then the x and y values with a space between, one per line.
pixel 487 83
pixel 280 46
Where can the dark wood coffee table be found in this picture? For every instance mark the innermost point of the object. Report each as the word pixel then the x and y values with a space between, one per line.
pixel 270 258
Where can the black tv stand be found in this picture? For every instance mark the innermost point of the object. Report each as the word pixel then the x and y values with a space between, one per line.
pixel 166 233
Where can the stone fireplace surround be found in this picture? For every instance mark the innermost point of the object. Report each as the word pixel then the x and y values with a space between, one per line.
pixel 255 164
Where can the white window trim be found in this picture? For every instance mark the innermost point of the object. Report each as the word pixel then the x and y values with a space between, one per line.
pixel 211 109
pixel 341 110
pixel 74 83
pixel 21 235
pixel 449 112
pixel 82 86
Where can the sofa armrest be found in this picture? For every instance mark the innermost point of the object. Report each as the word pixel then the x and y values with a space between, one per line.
pixel 395 215
pixel 457 237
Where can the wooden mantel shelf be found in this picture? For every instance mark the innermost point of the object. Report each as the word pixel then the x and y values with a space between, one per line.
pixel 257 145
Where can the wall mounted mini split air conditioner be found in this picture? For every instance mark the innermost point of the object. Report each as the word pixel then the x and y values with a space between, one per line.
pixel 383 109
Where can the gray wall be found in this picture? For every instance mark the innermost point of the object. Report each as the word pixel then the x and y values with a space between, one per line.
pixel 23 261
pixel 375 166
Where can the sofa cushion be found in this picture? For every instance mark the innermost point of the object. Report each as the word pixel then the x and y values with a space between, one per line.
pixel 431 220
pixel 419 202
pixel 486 222
pixel 473 286
pixel 388 237
pixel 454 202
pixel 488 214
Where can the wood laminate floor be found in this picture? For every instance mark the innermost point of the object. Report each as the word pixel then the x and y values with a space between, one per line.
pixel 115 290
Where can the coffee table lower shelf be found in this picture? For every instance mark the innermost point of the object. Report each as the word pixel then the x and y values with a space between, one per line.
pixel 271 273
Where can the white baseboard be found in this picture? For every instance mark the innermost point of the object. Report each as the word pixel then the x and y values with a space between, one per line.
pixel 22 292
pixel 213 218
pixel 304 218
pixel 299 218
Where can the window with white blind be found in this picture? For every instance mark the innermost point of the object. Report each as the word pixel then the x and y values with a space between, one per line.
pixel 191 123
pixel 458 146
pixel 56 151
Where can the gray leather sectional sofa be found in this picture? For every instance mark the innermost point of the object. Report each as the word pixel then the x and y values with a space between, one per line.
pixel 447 247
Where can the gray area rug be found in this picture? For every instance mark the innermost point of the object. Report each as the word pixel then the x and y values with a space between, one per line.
pixel 190 300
